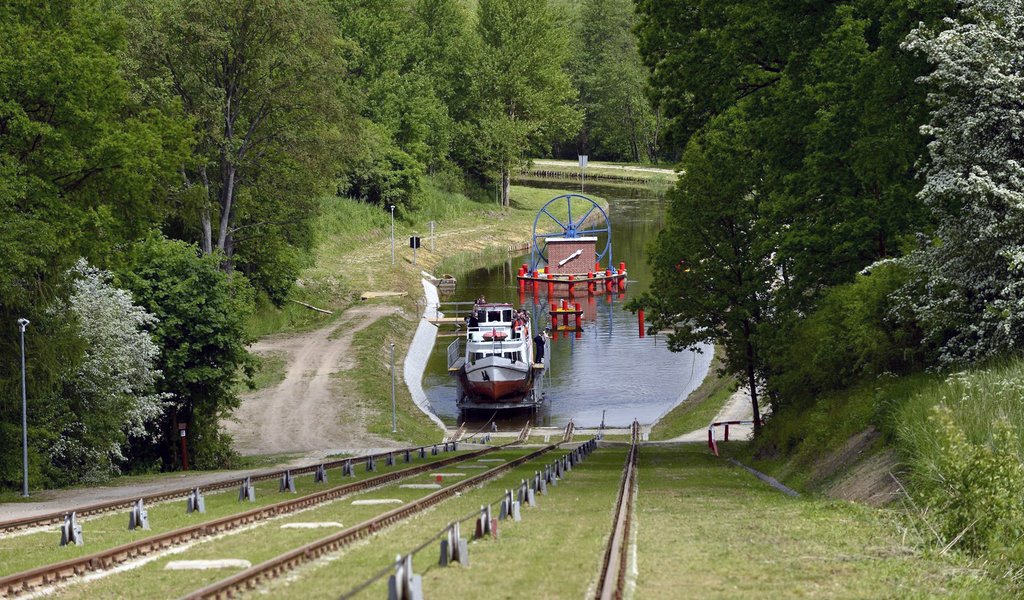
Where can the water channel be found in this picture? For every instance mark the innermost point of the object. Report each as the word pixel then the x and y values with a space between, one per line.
pixel 607 372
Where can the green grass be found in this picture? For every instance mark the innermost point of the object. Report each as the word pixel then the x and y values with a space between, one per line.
pixel 23 552
pixel 258 544
pixel 709 530
pixel 460 263
pixel 372 373
pixel 976 399
pixel 699 408
pixel 554 552
pixel 270 371
pixel 599 172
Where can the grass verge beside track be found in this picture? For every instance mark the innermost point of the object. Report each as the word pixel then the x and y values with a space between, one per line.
pixel 710 530
pixel 554 552
pixel 258 544
pixel 27 551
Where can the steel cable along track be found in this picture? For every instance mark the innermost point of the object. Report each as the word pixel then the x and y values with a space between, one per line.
pixel 275 567
pixel 27 581
pixel 57 517
pixel 611 581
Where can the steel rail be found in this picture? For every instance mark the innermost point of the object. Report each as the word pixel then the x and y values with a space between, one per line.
pixel 27 581
pixel 275 567
pixel 57 517
pixel 611 581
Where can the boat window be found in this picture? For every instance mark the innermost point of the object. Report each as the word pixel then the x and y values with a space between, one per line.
pixel 506 315
pixel 493 315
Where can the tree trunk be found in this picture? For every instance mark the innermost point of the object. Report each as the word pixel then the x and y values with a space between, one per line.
pixel 227 208
pixel 752 377
pixel 207 233
pixel 506 185
pixel 204 215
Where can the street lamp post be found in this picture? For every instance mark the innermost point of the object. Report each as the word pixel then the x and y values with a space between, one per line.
pixel 392 234
pixel 394 407
pixel 23 324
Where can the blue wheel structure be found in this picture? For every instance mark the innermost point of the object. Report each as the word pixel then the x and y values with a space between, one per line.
pixel 584 217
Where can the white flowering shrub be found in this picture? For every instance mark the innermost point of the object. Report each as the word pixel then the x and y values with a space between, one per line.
pixel 110 394
pixel 969 298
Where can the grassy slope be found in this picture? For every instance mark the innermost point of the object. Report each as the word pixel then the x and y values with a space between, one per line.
pixel 795 441
pixel 708 530
pixel 699 408
pixel 888 422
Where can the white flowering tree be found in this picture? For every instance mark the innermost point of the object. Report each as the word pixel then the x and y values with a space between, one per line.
pixel 970 299
pixel 110 394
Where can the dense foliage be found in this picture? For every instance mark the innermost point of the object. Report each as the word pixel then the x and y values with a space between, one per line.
pixel 829 107
pixel 183 148
pixel 850 208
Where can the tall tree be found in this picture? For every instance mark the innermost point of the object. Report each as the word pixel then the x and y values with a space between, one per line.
pixel 712 265
pixel 620 121
pixel 524 98
pixel 82 165
pixel 261 81
pixel 970 298
pixel 201 314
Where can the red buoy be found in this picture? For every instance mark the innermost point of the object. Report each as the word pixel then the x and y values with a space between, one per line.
pixel 640 320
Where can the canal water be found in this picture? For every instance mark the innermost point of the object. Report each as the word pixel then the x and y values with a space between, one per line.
pixel 605 373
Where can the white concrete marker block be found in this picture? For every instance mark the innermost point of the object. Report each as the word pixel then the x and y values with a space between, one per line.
pixel 446 474
pixel 200 565
pixel 321 525
pixel 376 501
pixel 421 486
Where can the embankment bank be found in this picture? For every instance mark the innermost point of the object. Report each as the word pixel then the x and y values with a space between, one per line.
pixel 354 256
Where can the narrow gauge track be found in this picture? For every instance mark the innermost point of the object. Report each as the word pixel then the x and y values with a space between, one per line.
pixel 611 582
pixel 27 581
pixel 275 567
pixel 57 517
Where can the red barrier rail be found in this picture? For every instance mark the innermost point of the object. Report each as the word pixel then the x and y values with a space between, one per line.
pixel 712 444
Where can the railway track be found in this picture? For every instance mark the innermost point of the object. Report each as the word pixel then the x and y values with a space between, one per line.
pixel 57 517
pixel 611 582
pixel 282 564
pixel 33 579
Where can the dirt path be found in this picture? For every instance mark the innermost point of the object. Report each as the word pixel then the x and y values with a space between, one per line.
pixel 737 408
pixel 311 410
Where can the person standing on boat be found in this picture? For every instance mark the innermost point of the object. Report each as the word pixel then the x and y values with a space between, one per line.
pixel 539 341
pixel 473 322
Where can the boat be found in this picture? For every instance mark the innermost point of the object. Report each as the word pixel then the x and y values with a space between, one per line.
pixel 496 367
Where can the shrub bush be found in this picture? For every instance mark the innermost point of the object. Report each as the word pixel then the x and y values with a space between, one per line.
pixel 851 335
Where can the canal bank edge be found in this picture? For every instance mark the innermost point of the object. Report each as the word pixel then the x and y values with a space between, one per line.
pixel 419 352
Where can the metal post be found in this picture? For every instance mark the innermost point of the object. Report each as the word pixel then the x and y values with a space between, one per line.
pixel 23 323
pixel 431 236
pixel 394 407
pixel 393 234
